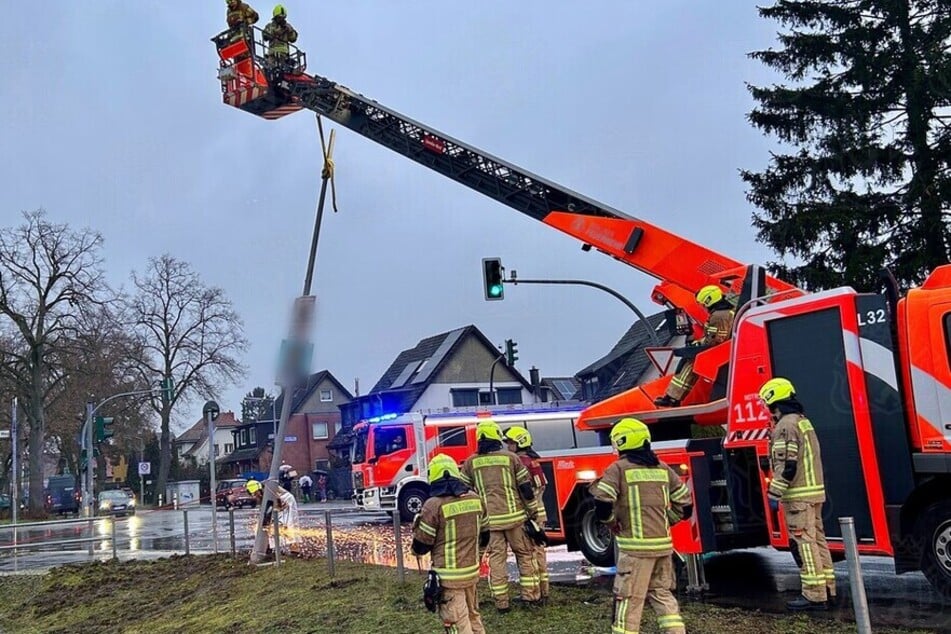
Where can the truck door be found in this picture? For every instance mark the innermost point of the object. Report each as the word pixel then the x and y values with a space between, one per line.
pixel 842 364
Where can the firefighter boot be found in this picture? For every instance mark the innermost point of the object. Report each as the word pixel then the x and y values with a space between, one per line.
pixel 666 401
pixel 803 604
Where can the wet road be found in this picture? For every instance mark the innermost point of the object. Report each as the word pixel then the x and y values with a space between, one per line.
pixel 760 578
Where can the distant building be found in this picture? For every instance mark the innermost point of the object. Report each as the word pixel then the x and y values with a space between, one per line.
pixel 314 422
pixel 450 371
pixel 627 364
pixel 192 444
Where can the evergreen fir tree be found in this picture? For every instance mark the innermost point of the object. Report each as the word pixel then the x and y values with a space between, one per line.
pixel 862 179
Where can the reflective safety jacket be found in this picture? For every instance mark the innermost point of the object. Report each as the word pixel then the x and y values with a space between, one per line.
pixel 539 481
pixel 718 328
pixel 278 34
pixel 796 461
pixel 496 477
pixel 240 15
pixel 642 497
pixel 451 525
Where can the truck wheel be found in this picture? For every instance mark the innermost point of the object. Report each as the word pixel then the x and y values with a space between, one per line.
pixel 934 533
pixel 411 502
pixel 594 538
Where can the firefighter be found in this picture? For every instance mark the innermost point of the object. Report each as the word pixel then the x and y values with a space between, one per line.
pixel 505 487
pixel 519 442
pixel 279 34
pixel 240 18
pixel 639 498
pixel 798 487
pixel 288 515
pixel 718 329
pixel 452 525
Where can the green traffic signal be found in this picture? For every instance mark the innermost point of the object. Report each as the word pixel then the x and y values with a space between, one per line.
pixel 511 352
pixel 493 278
pixel 104 428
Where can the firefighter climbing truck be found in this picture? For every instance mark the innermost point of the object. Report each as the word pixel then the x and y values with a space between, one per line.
pixel 391 453
pixel 872 369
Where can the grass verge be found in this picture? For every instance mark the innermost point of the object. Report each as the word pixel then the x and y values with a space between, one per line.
pixel 218 594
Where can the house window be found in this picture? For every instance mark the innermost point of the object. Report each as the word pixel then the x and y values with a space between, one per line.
pixel 509 395
pixel 452 436
pixel 326 396
pixel 229 448
pixel 319 431
pixel 251 436
pixel 485 398
pixel 464 398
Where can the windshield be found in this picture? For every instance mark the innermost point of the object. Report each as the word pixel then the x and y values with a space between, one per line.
pixel 113 495
pixel 359 452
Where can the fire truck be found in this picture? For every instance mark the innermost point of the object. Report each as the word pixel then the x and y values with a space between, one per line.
pixel 873 369
pixel 391 453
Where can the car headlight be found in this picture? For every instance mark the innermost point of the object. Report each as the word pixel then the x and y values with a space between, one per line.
pixel 131 502
pixel 105 505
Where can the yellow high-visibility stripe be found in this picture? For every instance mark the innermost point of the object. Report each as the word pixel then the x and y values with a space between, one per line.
pixel 457 574
pixel 427 529
pixel 449 552
pixel 459 507
pixel 608 490
pixel 491 461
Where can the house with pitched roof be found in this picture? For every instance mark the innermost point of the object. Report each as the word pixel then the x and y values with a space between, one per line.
pixel 192 444
pixel 626 365
pixel 453 370
pixel 313 424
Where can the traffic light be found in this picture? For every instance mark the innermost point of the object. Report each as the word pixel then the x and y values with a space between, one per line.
pixel 168 389
pixel 511 352
pixel 104 428
pixel 493 277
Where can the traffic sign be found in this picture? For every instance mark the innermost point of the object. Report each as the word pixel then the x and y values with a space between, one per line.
pixel 145 468
pixel 662 358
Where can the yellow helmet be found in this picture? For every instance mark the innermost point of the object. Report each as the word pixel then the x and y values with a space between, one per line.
pixel 442 465
pixel 488 429
pixel 777 389
pixel 280 11
pixel 629 433
pixel 709 295
pixel 253 486
pixel 520 436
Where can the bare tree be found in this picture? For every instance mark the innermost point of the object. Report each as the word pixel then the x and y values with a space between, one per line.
pixel 185 331
pixel 49 275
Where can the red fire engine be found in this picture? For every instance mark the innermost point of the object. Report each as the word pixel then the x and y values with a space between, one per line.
pixel 873 369
pixel 391 453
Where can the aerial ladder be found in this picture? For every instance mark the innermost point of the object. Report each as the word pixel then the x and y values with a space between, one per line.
pixel 876 368
pixel 682 266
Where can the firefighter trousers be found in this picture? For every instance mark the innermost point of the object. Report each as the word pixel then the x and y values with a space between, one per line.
pixel 649 579
pixel 807 541
pixel 499 542
pixel 540 559
pixel 682 382
pixel 460 611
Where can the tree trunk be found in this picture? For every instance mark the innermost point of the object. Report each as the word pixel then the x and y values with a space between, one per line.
pixel 36 442
pixel 165 454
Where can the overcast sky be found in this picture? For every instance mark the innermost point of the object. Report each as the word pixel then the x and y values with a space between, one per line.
pixel 111 117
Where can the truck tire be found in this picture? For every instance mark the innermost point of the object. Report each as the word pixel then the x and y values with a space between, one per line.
pixel 594 538
pixel 934 533
pixel 411 502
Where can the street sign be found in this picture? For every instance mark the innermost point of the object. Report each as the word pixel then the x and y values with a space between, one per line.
pixel 662 358
pixel 145 468
pixel 4 433
pixel 290 438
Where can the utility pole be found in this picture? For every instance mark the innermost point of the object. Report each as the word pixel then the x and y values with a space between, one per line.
pixel 90 448
pixel 296 349
pixel 211 411
pixel 141 475
pixel 15 446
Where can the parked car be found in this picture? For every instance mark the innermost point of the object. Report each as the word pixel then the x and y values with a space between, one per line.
pixel 4 502
pixel 115 502
pixel 62 495
pixel 233 494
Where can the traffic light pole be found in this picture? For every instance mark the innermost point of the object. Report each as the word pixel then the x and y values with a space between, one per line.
pixel 492 378
pixel 650 331
pixel 90 445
